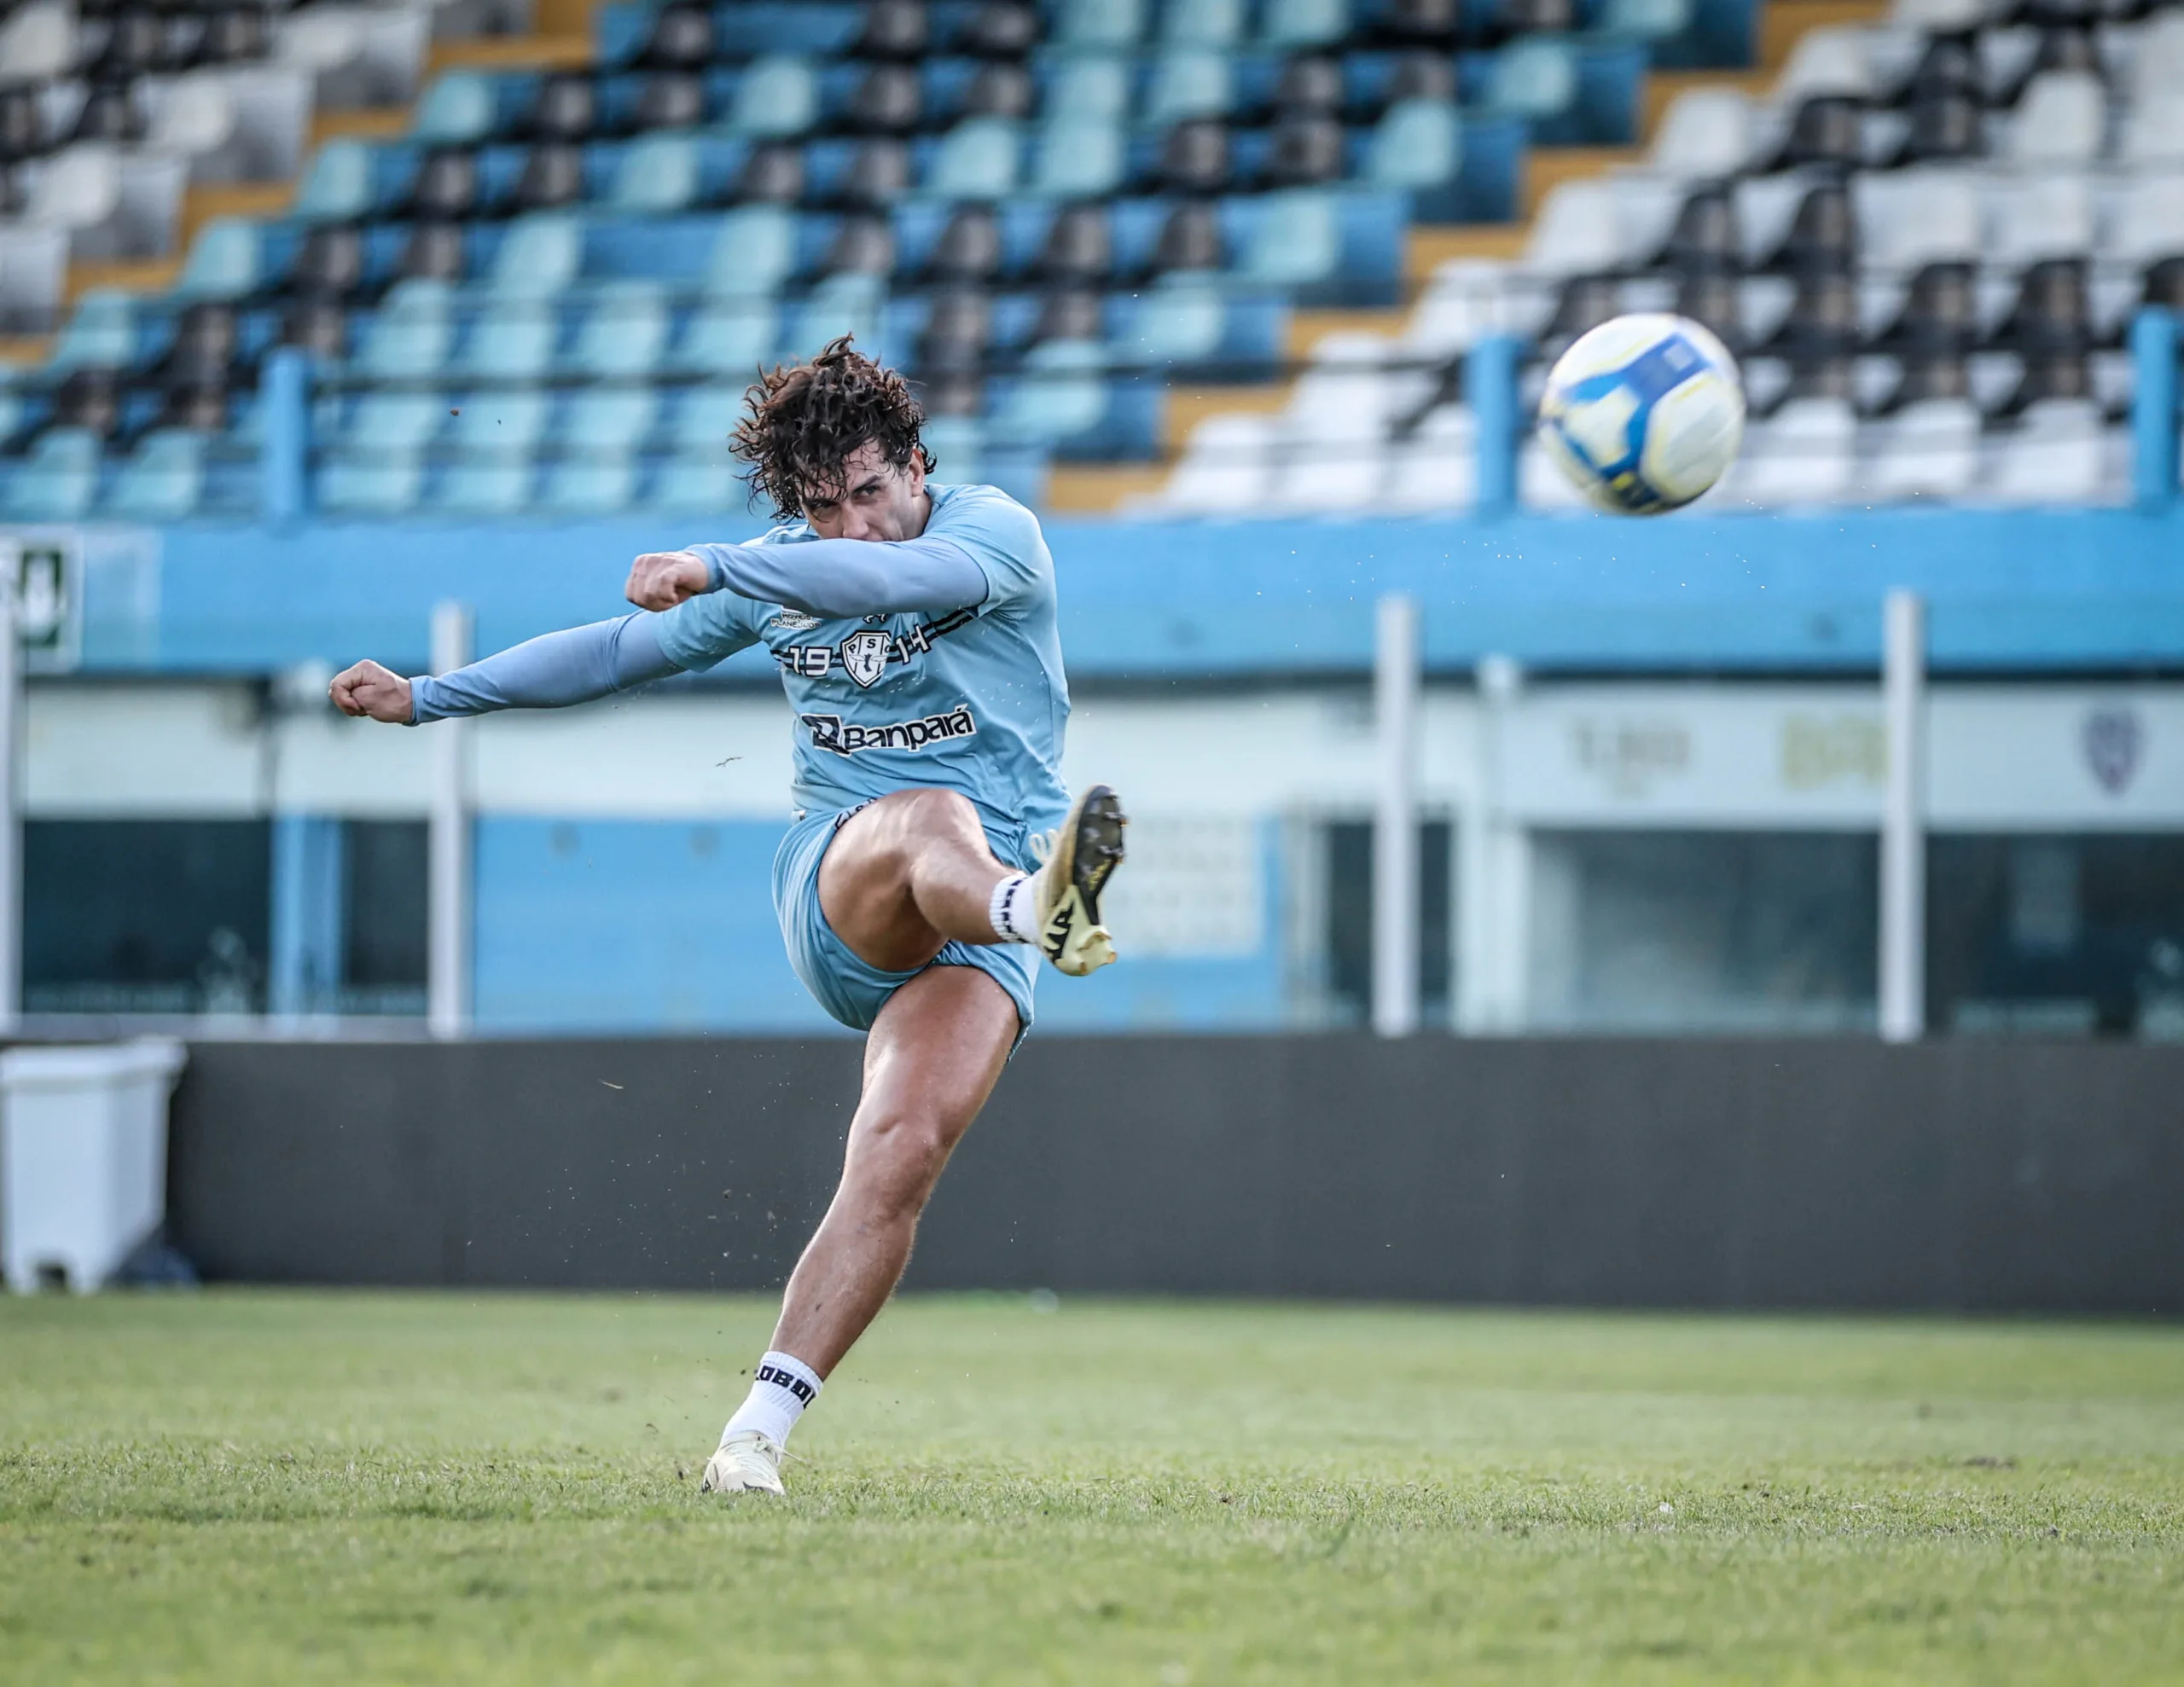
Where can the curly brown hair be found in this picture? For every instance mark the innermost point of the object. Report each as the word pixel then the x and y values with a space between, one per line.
pixel 807 419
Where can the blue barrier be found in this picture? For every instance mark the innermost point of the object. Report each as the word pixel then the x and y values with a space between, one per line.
pixel 2154 409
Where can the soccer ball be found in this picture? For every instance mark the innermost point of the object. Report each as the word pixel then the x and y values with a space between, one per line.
pixel 1643 414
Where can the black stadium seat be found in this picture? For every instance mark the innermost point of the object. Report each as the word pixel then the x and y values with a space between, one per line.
pixel 1827 129
pixel 89 399
pixel 669 99
pixel 1069 313
pixel 683 38
pixel 1001 89
pixel 1309 86
pixel 878 173
pixel 567 109
pixel 330 264
pixel 109 113
pixel 446 186
pixel 888 99
pixel 1001 29
pixel 1704 240
pixel 1823 232
pixel 772 174
pixel 433 253
pixel 956 333
pixel 863 245
pixel 319 327
pixel 1306 150
pixel 552 177
pixel 1195 158
pixel 1190 239
pixel 894 29
pixel 969 247
pixel 1079 248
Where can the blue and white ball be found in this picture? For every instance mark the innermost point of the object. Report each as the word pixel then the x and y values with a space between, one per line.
pixel 1643 414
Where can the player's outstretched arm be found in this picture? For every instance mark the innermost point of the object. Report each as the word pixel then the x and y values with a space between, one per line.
pixel 549 672
pixel 833 577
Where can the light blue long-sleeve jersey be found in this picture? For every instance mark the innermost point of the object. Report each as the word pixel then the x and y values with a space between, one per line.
pixel 934 662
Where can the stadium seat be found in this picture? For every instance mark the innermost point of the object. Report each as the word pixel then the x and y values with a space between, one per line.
pixel 624 332
pixel 658 176
pixel 539 256
pixel 1078 159
pixel 513 341
pixel 59 481
pixel 103 334
pixel 2055 456
pixel 459 110
pixel 1201 23
pixel 1535 80
pixel 1706 135
pixel 412 333
pixel 1061 394
pixel 1416 146
pixel 1805 454
pixel 378 466
pixel 1290 25
pixel 339 187
pixel 977 159
pixel 1099 23
pixel 493 436
pixel 2061 121
pixel 1295 238
pixel 753 253
pixel 1226 469
pixel 776 96
pixel 845 303
pixel 163 478
pixel 1929 449
pixel 1090 87
pixel 1180 320
pixel 1435 469
pixel 729 338
pixel 1187 83
pixel 223 261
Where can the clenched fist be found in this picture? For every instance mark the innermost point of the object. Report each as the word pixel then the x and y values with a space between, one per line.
pixel 662 579
pixel 370 689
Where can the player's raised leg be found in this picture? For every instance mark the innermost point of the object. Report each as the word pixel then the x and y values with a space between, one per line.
pixel 913 870
pixel 929 1065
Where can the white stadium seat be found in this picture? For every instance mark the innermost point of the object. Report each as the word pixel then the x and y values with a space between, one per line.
pixel 2062 119
pixel 1436 469
pixel 1929 449
pixel 1805 454
pixel 1226 469
pixel 2042 216
pixel 2056 455
pixel 1706 133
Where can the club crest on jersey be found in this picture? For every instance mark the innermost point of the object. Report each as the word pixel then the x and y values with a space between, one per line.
pixel 865 656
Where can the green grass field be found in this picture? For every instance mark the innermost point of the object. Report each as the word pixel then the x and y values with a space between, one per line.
pixel 240 1486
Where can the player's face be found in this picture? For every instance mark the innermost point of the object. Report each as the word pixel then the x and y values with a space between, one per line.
pixel 876 499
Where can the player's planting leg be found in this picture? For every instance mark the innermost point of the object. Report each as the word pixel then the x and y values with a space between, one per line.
pixel 933 1057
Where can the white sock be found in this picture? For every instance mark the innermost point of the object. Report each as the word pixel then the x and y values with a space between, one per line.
pixel 781 1388
pixel 1012 912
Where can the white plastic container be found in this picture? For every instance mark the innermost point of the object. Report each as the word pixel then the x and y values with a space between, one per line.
pixel 83 1157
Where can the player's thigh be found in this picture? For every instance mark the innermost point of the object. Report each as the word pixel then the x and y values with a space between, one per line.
pixel 931 1059
pixel 864 878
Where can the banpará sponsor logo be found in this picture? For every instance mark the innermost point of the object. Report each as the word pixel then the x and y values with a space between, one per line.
pixel 847 738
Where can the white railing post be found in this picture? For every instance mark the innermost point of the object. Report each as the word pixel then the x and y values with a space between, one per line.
pixel 449 880
pixel 11 794
pixel 1395 823
pixel 1487 926
pixel 1902 824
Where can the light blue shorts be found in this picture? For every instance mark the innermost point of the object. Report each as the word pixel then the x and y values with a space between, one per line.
pixel 854 991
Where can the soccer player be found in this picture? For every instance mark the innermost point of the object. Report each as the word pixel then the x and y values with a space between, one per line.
pixel 934 853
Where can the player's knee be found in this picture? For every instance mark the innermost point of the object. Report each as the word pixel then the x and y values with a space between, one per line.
pixel 912 1148
pixel 927 813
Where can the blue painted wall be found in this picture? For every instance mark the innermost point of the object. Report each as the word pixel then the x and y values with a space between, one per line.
pixel 2008 590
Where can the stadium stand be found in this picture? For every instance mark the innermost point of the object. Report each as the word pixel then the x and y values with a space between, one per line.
pixel 1096 229
pixel 1926 242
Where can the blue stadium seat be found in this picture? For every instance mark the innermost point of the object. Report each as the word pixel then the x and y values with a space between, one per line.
pixel 775 97
pixel 1184 319
pixel 729 338
pixel 1292 239
pixel 493 436
pixel 342 184
pixel 102 335
pixel 753 253
pixel 539 257
pixel 594 468
pixel 1189 82
pixel 1416 147
pixel 657 175
pixel 616 418
pixel 844 303
pixel 593 483
pixel 459 110
pixel 705 416
pixel 224 261
pixel 624 332
pixel 1648 20
pixel 1202 23
pixel 1535 78
pixel 813 27
pixel 164 479
pixel 512 341
pixel 977 159
pixel 378 468
pixel 1079 158
pixel 412 334
pixel 59 481
pixel 1100 23
pixel 1291 26
pixel 1088 85
pixel 1061 394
